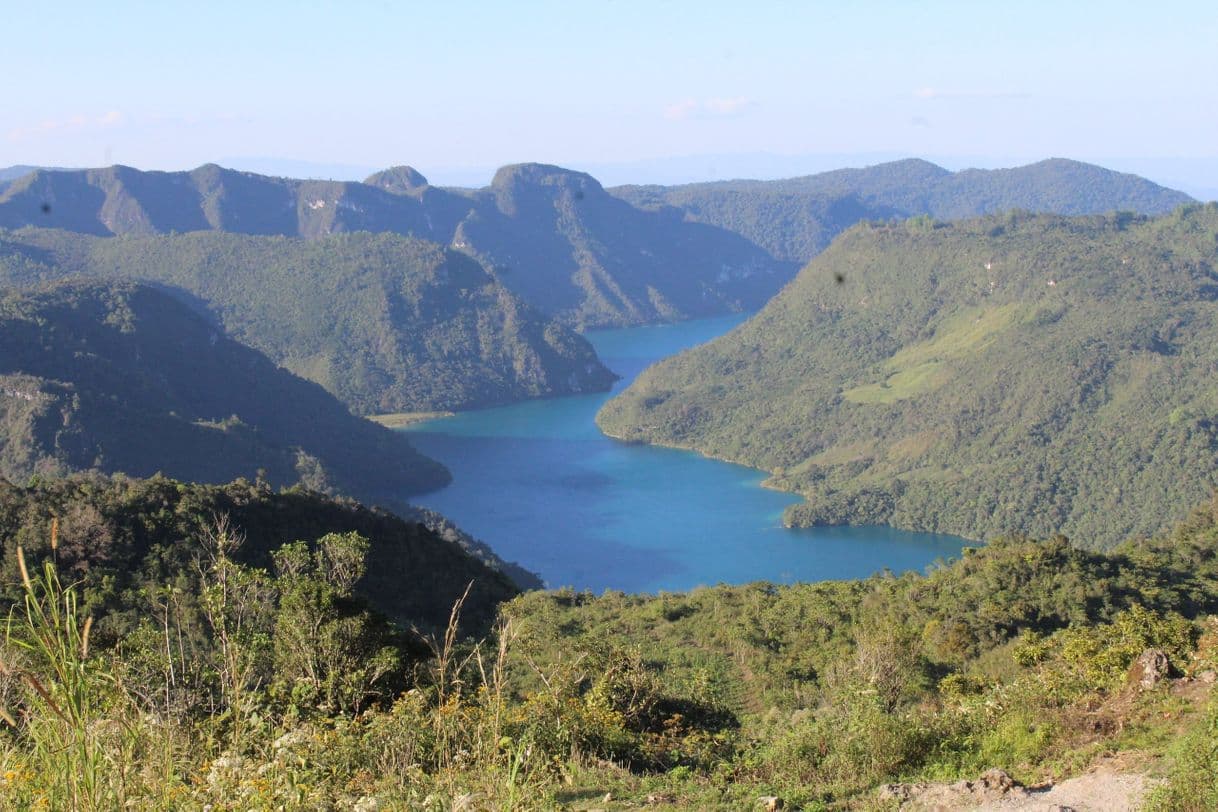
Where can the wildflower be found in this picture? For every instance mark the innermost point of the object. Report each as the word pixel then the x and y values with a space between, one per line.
pixel 222 765
pixel 289 739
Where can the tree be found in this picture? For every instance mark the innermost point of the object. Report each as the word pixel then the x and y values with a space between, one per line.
pixel 329 649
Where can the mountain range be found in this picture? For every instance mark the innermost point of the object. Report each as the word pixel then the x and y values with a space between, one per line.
pixel 796 218
pixel 396 295
pixel 582 255
pixel 552 235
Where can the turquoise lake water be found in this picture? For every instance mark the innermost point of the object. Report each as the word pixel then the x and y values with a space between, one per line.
pixel 543 487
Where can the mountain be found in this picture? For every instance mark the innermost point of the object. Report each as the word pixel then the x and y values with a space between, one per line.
pixel 551 235
pixel 384 322
pixel 11 173
pixel 8 174
pixel 796 218
pixel 562 242
pixel 122 200
pixel 121 377
pixel 1012 374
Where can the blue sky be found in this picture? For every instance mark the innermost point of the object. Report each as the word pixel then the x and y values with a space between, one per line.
pixel 455 88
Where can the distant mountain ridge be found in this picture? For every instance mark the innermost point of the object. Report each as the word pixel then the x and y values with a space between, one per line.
pixel 8 174
pixel 121 377
pixel 796 218
pixel 588 256
pixel 552 235
pixel 120 200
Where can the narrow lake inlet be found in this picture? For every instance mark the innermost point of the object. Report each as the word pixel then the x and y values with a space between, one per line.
pixel 541 484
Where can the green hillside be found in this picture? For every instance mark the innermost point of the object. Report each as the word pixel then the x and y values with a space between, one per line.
pixel 796 218
pixel 122 377
pixel 1014 374
pixel 386 323
pixel 121 535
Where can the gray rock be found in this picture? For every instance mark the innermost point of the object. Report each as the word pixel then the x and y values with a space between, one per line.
pixel 1149 669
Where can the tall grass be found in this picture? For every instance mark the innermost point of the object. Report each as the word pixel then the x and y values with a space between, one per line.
pixel 77 732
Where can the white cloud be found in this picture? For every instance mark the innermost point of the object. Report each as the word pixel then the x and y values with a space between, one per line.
pixel 940 93
pixel 73 123
pixel 728 107
pixel 681 110
pixel 708 108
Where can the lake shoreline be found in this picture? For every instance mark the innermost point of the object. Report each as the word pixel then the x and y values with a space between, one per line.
pixel 768 484
pixel 544 485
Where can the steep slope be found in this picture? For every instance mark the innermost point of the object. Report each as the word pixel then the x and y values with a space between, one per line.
pixel 386 323
pixel 553 236
pixel 796 218
pixel 124 378
pixel 560 241
pixel 9 174
pixel 1012 374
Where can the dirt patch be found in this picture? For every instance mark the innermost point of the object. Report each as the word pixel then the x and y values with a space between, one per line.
pixel 1103 790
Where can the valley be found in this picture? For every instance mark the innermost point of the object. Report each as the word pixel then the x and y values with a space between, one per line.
pixel 609 407
pixel 641 514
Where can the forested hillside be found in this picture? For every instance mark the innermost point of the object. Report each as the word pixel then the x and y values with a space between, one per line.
pixel 121 377
pixel 795 219
pixel 1013 374
pixel 124 537
pixel 386 323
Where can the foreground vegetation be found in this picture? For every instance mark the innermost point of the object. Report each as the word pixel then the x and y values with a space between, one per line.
pixel 258 673
pixel 1013 374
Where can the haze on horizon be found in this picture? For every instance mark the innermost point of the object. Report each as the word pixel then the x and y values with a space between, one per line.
pixel 631 91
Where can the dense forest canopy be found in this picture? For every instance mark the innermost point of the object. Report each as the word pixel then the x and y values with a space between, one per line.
pixel 120 536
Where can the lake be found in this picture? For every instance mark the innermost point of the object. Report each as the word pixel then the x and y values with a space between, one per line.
pixel 543 487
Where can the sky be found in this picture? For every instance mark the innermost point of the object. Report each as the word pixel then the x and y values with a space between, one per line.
pixel 635 91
